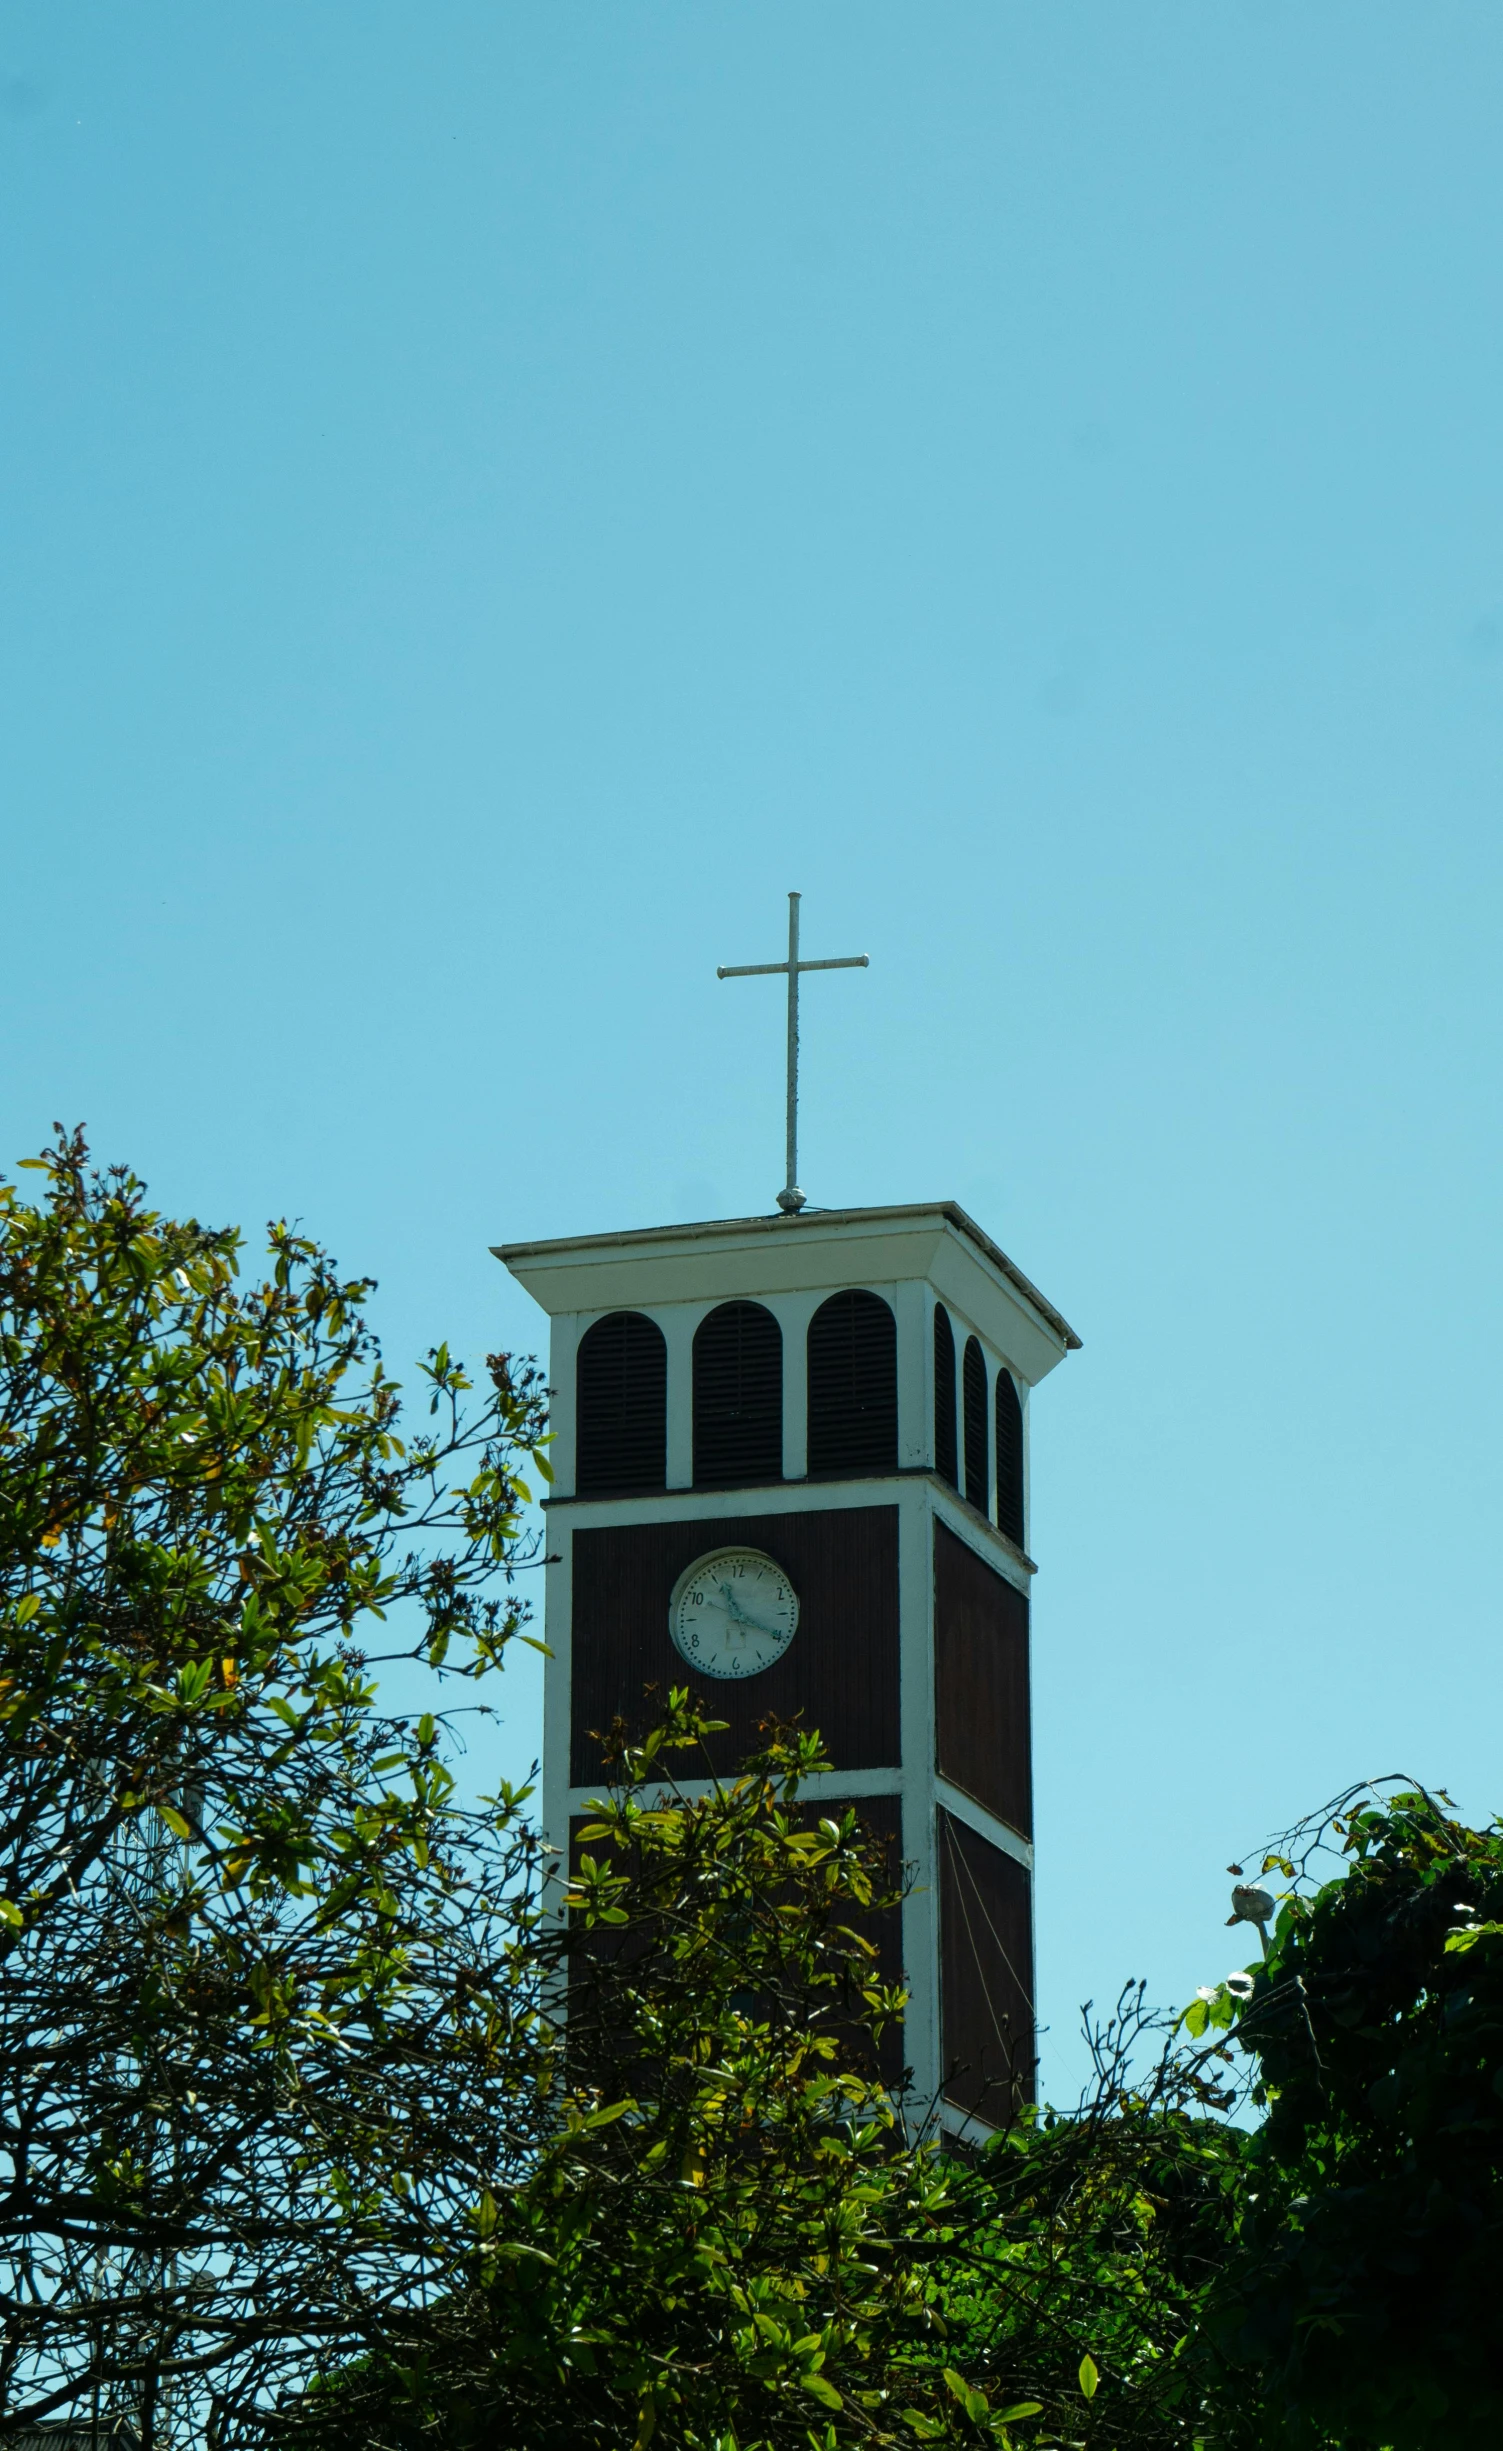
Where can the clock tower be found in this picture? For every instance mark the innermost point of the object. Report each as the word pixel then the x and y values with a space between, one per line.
pixel 791 1471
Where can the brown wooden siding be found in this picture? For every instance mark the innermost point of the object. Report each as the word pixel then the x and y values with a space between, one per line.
pixel 986 1974
pixel 981 1682
pixel 839 1674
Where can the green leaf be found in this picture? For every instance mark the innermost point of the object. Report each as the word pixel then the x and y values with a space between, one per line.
pixel 1457 1943
pixel 603 2118
pixel 10 1914
pixel 1020 2408
pixel 174 1820
pixel 972 2401
pixel 823 2391
pixel 1089 2376
pixel 27 1606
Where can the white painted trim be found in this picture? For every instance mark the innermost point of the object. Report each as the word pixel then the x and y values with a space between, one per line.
pixel 915 1375
pixel 998 1834
pixel 837 1785
pixel 563 1356
pixel 802 1498
pixel 916 1704
pixel 934 1239
pixel 793 1313
pixel 558 1702
pixel 679 1323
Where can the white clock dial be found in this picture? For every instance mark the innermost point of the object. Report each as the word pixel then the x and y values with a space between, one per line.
pixel 733 1613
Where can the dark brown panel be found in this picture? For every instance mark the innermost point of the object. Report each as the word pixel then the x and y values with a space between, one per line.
pixel 883 1816
pixel 840 1672
pixel 986 1974
pixel 981 1682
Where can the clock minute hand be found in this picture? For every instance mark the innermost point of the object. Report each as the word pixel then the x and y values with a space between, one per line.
pixel 734 1609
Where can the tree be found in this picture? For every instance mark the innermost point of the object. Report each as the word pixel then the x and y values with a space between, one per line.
pixel 1363 2297
pixel 245 2091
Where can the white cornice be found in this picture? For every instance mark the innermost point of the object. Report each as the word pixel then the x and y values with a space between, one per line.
pixel 744 1255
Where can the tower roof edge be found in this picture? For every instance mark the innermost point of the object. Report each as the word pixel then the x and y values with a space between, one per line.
pixel 563 1253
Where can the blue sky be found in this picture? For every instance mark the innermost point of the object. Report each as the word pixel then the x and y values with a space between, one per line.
pixel 492 496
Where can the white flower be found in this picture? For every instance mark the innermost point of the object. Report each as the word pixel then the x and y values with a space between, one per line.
pixel 1240 1986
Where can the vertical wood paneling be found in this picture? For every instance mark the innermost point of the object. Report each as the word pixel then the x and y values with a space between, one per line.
pixel 945 1458
pixel 839 1674
pixel 853 1385
pixel 977 1454
pixel 738 1397
pixel 621 1406
pixel 981 1682
pixel 1009 1458
pixel 986 1974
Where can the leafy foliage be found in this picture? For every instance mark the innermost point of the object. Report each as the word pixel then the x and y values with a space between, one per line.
pixel 244 1927
pixel 1363 2299
pixel 731 2238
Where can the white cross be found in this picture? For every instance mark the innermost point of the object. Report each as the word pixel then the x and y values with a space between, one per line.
pixel 790 1198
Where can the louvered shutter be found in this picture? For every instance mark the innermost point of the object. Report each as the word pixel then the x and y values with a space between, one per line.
pixel 1009 1458
pixel 973 1393
pixel 944 1397
pixel 853 1385
pixel 621 1383
pixel 738 1397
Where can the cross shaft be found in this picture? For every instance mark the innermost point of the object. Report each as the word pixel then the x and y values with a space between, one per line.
pixel 790 1198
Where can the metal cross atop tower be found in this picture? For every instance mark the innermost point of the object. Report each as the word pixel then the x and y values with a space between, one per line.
pixel 790 1198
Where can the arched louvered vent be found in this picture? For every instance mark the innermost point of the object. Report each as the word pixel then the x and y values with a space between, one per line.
pixel 622 1387
pixel 944 1397
pixel 1009 1458
pixel 853 1385
pixel 973 1392
pixel 738 1397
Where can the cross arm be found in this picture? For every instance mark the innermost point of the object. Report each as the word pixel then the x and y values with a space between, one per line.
pixel 768 970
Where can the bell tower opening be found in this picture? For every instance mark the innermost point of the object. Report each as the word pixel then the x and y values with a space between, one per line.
pixel 853 1385
pixel 738 1396
pixel 622 1405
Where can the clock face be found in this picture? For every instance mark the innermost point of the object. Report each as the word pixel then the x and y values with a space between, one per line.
pixel 733 1613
